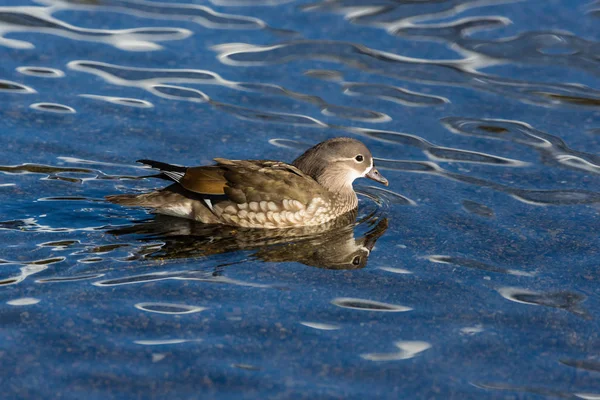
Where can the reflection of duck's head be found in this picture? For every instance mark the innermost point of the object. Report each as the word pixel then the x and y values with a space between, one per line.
pixel 331 246
pixel 336 249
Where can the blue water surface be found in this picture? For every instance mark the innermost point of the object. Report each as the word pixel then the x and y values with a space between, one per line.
pixel 482 279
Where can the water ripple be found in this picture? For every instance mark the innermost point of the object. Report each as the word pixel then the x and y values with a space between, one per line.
pixel 459 28
pixel 182 275
pixel 587 365
pixel 40 20
pixel 122 101
pixel 407 350
pixel 531 196
pixel 44 261
pixel 25 301
pixel 564 300
pixel 53 108
pixel 368 305
pixel 325 74
pixel 66 174
pixel 142 77
pixel 201 15
pixel 553 150
pixel 272 117
pixel 169 308
pixel 538 391
pixel 380 195
pixel 393 93
pixel 73 278
pixel 14 87
pixel 289 144
pixel 320 326
pixel 394 270
pixel 390 14
pixel 355 114
pixel 477 208
pixel 249 3
pixel 41 72
pixel 179 93
pixel 474 264
pixel 158 342
pixel 60 244
pixel 25 272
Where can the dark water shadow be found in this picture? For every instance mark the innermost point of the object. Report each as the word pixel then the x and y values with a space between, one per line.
pixel 334 245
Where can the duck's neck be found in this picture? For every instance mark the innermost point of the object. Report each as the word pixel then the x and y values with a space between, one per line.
pixel 341 189
pixel 345 199
pixel 338 181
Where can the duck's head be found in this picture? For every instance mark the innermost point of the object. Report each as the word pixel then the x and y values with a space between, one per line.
pixel 336 163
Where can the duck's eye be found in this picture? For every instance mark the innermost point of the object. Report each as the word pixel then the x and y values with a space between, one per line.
pixel 356 260
pixel 359 158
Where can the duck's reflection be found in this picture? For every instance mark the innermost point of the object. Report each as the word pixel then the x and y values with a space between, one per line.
pixel 332 246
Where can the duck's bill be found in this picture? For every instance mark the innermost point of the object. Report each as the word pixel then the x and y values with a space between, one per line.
pixel 377 177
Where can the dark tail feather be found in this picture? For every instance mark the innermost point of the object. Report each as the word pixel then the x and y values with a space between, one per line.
pixel 163 166
pixel 126 199
pixel 155 199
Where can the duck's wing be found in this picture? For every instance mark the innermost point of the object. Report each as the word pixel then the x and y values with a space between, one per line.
pixel 262 180
pixel 207 180
pixel 244 181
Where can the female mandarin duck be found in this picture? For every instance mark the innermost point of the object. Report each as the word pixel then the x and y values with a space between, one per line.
pixel 316 188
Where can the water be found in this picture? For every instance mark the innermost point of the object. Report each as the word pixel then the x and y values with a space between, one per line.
pixel 482 280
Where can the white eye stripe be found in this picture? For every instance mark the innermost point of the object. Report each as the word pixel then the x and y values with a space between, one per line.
pixel 368 169
pixel 351 159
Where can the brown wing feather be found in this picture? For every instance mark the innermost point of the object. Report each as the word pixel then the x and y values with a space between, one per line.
pixel 204 180
pixel 260 180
